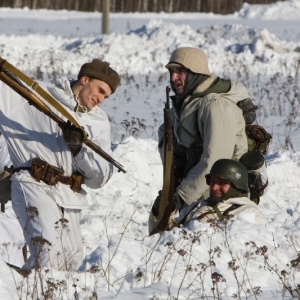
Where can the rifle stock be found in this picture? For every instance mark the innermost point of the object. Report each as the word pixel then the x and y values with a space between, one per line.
pixel 166 205
pixel 34 100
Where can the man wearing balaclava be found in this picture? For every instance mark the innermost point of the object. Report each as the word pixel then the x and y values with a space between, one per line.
pixel 207 123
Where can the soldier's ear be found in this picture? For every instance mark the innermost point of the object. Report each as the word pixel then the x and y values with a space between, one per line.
pixel 84 79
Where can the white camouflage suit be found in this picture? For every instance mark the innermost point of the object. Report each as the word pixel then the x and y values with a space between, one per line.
pixel 237 208
pixel 28 134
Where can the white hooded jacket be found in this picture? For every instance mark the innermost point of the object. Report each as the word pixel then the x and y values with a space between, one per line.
pixel 29 133
pixel 233 208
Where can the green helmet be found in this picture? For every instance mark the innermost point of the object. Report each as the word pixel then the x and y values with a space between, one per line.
pixel 232 170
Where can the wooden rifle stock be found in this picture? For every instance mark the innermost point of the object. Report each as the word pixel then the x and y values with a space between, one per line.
pixel 34 100
pixel 166 205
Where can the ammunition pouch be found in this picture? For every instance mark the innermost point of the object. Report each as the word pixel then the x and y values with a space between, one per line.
pixel 42 171
pixel 51 175
pixel 74 181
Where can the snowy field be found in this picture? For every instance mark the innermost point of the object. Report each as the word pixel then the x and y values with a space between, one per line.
pixel 259 45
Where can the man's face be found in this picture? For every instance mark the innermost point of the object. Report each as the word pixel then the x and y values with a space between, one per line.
pixel 218 186
pixel 92 92
pixel 178 77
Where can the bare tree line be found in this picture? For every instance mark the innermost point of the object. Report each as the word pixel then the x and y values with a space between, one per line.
pixel 169 6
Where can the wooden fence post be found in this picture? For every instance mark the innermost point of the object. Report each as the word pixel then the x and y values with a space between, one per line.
pixel 105 16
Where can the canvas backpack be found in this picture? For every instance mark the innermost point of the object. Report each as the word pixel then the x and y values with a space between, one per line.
pixel 258 145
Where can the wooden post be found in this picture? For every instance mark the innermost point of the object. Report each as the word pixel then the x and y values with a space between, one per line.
pixel 105 16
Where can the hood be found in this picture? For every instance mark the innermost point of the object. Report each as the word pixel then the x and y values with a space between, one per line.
pixel 237 92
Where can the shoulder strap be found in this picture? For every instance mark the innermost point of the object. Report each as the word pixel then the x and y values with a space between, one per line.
pixel 197 138
pixel 220 215
pixel 227 211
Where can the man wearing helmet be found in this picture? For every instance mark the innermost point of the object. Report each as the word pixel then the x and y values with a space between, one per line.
pixel 207 123
pixel 228 186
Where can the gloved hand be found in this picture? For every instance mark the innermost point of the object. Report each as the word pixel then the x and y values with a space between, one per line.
pixel 74 137
pixel 156 204
pixel 257 132
pixel 260 136
pixel 177 204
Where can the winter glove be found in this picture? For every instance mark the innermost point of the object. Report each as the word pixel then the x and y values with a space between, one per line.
pixel 176 204
pixel 260 136
pixel 258 132
pixel 155 207
pixel 74 137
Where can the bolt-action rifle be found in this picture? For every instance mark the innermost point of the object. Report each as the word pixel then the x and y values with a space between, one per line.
pixel 11 76
pixel 166 205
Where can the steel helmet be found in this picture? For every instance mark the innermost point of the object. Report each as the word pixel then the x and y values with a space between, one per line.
pixel 193 59
pixel 232 170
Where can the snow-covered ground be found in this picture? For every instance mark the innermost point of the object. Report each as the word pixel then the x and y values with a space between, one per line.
pixel 258 45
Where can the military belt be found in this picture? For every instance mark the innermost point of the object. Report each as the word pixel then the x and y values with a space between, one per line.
pixel 51 175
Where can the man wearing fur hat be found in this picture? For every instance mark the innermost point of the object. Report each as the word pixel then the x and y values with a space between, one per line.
pixel 207 123
pixel 49 213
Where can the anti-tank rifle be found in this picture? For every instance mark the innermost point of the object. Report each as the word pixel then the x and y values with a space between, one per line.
pixel 16 80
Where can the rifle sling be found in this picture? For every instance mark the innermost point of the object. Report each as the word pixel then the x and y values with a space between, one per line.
pixel 226 212
pixel 198 139
pixel 34 86
pixel 218 212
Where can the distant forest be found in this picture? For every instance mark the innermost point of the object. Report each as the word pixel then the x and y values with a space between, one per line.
pixel 169 6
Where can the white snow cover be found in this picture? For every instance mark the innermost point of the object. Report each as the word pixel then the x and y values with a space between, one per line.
pixel 258 45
